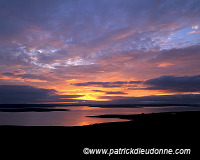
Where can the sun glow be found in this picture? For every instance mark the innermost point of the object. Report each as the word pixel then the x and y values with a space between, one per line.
pixel 90 97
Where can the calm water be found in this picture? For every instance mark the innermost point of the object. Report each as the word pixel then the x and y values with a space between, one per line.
pixel 77 116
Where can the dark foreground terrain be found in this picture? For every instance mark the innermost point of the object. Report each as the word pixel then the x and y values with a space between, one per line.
pixel 157 130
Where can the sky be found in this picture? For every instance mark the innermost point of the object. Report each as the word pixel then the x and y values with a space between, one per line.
pixel 99 51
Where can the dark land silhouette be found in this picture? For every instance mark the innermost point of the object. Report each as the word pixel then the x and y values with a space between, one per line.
pixel 31 109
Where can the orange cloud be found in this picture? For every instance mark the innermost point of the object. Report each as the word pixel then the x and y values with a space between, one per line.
pixel 165 64
pixel 21 79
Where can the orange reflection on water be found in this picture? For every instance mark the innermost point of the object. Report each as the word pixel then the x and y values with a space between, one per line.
pixel 79 116
pixel 89 121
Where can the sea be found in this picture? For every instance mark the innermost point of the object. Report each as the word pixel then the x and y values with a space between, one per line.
pixel 81 115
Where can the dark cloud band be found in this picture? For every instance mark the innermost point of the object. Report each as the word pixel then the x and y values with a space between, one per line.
pixel 27 94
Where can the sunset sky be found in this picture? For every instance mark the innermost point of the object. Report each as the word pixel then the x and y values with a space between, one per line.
pixel 99 51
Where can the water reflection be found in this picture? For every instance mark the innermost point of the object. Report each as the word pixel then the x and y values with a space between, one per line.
pixel 77 116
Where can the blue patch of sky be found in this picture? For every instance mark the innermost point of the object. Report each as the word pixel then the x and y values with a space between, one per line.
pixel 181 38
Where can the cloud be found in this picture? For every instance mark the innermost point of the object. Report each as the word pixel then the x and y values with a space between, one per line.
pixel 176 84
pixel 26 76
pixel 160 99
pixel 28 94
pixel 98 91
pixel 118 92
pixel 55 32
pixel 109 92
pixel 168 82
pixel 178 56
pixel 108 84
pixel 99 43
pixel 192 32
pixel 18 16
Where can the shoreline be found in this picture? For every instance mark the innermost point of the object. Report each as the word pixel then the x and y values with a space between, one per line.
pixel 174 125
pixel 156 130
pixel 136 120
